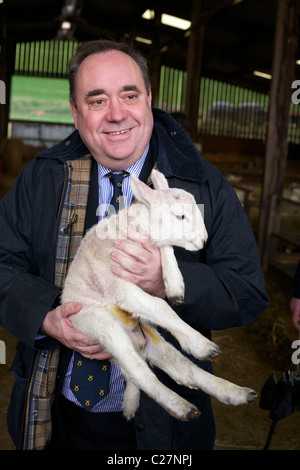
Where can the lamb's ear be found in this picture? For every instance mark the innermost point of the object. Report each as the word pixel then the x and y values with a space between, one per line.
pixel 159 180
pixel 140 190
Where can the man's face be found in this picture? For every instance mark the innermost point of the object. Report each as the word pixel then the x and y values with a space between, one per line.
pixel 113 111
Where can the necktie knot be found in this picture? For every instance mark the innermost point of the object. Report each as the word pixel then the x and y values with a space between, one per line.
pixel 117 181
pixel 117 178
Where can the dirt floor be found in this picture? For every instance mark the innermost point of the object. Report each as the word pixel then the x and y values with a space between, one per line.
pixel 249 356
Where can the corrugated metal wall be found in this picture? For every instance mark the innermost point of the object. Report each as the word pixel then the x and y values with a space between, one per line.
pixel 44 58
pixel 224 109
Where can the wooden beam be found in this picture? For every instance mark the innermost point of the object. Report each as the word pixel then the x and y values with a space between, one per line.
pixel 199 18
pixel 194 66
pixel 283 70
pixel 155 55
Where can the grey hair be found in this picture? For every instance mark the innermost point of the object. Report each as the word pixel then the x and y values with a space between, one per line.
pixel 100 47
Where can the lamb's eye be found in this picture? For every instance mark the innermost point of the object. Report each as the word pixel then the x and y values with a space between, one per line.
pixel 180 217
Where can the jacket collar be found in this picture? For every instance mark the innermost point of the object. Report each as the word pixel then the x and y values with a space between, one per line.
pixel 176 154
pixel 70 148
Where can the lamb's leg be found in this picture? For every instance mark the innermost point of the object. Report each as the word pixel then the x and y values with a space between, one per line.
pixel 163 355
pixel 131 399
pixel 155 310
pixel 111 335
pixel 173 280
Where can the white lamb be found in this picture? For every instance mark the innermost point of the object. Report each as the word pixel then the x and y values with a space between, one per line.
pixel 121 316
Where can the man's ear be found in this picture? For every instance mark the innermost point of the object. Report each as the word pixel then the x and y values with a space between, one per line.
pixel 74 111
pixel 150 98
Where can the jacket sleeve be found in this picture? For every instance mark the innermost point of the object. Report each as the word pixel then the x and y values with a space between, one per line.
pixel 26 296
pixel 226 288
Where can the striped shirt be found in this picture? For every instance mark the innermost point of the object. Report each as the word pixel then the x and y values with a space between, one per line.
pixel 113 401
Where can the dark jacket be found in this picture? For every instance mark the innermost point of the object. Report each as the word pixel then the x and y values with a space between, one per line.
pixel 224 283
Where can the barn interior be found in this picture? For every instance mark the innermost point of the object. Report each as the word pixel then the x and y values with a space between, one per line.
pixel 230 75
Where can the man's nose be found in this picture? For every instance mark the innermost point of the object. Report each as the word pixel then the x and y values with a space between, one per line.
pixel 116 111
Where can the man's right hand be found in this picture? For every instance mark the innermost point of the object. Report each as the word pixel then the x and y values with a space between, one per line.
pixel 57 324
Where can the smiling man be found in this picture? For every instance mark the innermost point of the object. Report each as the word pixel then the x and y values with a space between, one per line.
pixel 54 201
pixel 114 117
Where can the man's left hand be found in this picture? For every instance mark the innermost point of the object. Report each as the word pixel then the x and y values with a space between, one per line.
pixel 139 262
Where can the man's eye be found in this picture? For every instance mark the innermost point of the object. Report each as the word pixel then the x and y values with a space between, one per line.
pixel 131 97
pixel 96 103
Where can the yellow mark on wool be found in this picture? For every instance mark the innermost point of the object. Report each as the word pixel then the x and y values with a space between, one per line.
pixel 151 333
pixel 124 316
pixel 130 321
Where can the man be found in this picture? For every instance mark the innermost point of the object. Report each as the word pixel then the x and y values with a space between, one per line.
pixel 52 204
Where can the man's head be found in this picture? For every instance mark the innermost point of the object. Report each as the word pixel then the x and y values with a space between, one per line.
pixel 110 99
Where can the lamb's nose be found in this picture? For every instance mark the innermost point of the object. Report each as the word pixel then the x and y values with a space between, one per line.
pixel 200 242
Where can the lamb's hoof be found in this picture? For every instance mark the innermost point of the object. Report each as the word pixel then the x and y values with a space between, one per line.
pixel 251 396
pixel 176 300
pixel 128 417
pixel 213 352
pixel 193 414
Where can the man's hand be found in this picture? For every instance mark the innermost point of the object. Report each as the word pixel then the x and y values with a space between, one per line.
pixel 295 309
pixel 140 263
pixel 57 324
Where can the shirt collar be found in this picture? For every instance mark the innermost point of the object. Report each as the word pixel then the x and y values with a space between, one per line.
pixel 136 168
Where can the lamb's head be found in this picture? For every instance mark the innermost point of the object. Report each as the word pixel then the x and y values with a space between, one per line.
pixel 174 218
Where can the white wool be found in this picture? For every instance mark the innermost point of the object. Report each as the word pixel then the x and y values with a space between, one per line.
pixel 122 317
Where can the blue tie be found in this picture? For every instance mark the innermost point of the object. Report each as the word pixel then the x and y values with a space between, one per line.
pixel 116 180
pixel 90 378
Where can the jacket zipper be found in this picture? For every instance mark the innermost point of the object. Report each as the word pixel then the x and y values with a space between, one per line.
pixel 70 228
pixel 61 200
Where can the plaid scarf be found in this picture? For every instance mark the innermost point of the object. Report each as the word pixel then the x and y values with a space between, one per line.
pixel 70 234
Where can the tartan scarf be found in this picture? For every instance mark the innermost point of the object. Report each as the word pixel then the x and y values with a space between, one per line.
pixel 70 233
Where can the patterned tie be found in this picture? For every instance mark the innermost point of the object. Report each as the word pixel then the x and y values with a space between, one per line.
pixel 90 378
pixel 117 180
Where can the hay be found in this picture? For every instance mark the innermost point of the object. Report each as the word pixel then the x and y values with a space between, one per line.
pixel 273 332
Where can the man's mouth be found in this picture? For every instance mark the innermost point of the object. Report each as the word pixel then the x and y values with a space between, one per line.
pixel 124 131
